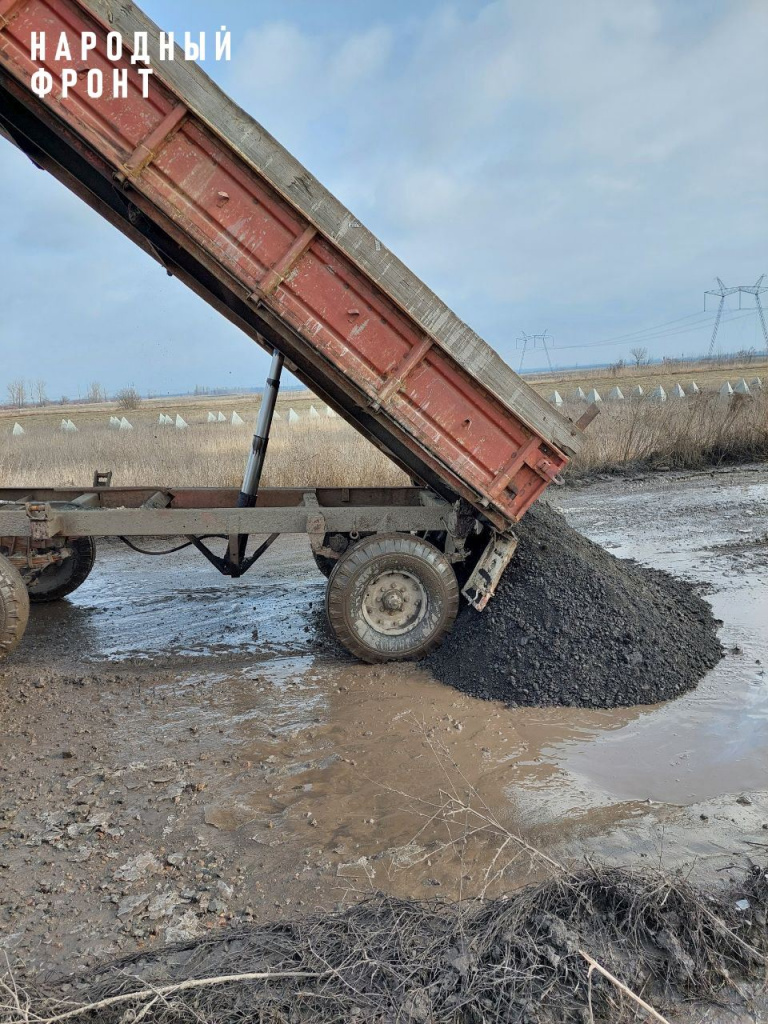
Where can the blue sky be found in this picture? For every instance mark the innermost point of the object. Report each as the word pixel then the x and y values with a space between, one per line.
pixel 586 168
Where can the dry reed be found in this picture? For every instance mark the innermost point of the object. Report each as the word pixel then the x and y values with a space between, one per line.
pixel 321 452
pixel 519 958
pixel 686 433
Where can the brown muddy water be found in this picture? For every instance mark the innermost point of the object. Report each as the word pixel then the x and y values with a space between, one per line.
pixel 180 750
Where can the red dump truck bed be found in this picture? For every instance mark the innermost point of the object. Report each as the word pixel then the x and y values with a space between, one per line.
pixel 219 203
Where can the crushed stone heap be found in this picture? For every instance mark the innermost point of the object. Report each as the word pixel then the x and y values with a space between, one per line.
pixel 573 625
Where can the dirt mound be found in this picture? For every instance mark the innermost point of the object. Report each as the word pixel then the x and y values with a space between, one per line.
pixel 571 624
pixel 524 958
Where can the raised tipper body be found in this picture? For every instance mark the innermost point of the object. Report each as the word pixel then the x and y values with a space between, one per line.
pixel 209 193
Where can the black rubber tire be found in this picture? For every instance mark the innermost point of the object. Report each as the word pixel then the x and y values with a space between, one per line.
pixel 57 581
pixel 363 565
pixel 14 607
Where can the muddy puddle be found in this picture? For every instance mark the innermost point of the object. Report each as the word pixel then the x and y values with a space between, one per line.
pixel 166 712
pixel 136 608
pixel 712 530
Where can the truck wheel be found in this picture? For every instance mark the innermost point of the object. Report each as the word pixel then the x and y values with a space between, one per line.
pixel 14 607
pixel 392 597
pixel 57 581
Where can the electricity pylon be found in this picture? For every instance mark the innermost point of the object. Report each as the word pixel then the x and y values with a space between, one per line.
pixel 531 341
pixel 748 289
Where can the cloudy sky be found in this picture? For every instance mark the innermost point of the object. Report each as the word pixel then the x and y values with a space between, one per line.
pixel 581 167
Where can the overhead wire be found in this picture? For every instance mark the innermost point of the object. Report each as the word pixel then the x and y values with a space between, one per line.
pixel 654 333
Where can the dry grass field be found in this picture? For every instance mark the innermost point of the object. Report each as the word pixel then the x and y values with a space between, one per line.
pixel 194 409
pixel 708 375
pixel 688 433
pixel 326 451
pixel 312 452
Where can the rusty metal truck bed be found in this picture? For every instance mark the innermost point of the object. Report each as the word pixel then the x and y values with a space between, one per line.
pixel 220 204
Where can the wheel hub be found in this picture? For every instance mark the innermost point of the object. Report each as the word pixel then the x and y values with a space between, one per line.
pixel 394 602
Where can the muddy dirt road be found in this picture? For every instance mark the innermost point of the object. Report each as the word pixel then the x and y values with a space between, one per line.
pixel 180 750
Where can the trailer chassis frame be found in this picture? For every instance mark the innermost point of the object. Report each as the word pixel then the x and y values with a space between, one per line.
pixel 37 523
pixel 47 515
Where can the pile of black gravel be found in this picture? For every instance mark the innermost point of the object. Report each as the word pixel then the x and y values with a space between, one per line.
pixel 571 624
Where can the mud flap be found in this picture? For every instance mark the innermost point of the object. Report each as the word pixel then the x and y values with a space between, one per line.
pixel 481 585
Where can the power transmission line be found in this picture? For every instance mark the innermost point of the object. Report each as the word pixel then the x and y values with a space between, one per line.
pixel 742 289
pixel 645 330
pixel 655 333
pixel 687 324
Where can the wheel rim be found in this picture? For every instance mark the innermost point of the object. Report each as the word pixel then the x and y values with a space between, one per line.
pixel 394 602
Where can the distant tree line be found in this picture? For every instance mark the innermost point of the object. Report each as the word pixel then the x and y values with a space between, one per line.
pixel 22 392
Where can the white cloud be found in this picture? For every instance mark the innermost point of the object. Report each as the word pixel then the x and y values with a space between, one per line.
pixel 550 136
pixel 361 57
